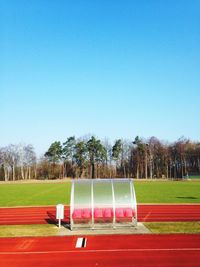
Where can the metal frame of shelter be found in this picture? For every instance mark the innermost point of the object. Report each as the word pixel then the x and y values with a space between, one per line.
pixel 97 203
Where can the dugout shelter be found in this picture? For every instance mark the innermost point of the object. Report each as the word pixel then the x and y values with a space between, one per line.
pixel 103 203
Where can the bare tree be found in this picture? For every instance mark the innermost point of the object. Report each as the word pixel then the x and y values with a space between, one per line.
pixel 9 160
pixel 29 160
pixel 5 163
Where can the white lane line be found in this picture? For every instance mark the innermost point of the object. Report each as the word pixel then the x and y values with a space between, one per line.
pixel 100 250
pixel 147 216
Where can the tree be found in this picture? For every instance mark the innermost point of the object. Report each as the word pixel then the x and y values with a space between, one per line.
pixel 54 152
pixel 89 157
pixel 101 157
pixel 140 150
pixel 117 151
pixel 25 158
pixel 69 148
pixel 17 161
pixel 53 155
pixel 9 157
pixel 5 163
pixel 96 152
pixel 153 150
pixel 125 157
pixel 30 160
pixel 68 153
pixel 80 156
pixel 109 167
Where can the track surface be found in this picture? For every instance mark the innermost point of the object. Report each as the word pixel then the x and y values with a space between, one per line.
pixel 113 251
pixel 146 213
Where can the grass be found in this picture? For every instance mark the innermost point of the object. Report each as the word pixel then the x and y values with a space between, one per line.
pixel 173 227
pixel 34 194
pixel 38 194
pixel 194 177
pixel 29 230
pixel 168 192
pixel 52 230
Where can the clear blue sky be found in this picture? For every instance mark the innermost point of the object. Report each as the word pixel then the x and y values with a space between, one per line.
pixel 115 68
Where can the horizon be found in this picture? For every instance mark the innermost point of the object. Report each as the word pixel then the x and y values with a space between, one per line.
pixel 114 69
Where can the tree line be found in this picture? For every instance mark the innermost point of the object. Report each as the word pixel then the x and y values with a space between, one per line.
pixel 93 158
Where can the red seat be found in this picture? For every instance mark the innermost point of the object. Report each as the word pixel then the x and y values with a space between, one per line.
pixel 119 213
pixel 108 213
pixel 76 214
pixel 98 213
pixel 86 213
pixel 128 212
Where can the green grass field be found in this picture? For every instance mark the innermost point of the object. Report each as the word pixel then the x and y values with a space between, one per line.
pixel 194 177
pixel 173 227
pixel 29 230
pixel 53 230
pixel 34 194
pixel 168 192
pixel 37 194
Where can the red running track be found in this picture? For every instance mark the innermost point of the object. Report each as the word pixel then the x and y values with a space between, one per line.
pixel 146 213
pixel 113 251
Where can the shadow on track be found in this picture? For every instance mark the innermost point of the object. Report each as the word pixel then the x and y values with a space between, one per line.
pixel 52 219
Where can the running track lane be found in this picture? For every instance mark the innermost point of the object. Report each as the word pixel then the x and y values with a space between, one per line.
pixel 113 251
pixel 146 213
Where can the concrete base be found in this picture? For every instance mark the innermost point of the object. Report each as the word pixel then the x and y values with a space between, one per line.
pixel 140 229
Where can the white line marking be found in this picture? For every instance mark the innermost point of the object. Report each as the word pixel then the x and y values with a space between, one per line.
pixel 101 250
pixel 148 214
pixel 79 242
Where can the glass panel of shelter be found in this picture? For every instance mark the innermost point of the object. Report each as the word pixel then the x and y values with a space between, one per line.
pixel 82 203
pixel 103 201
pixel 124 202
